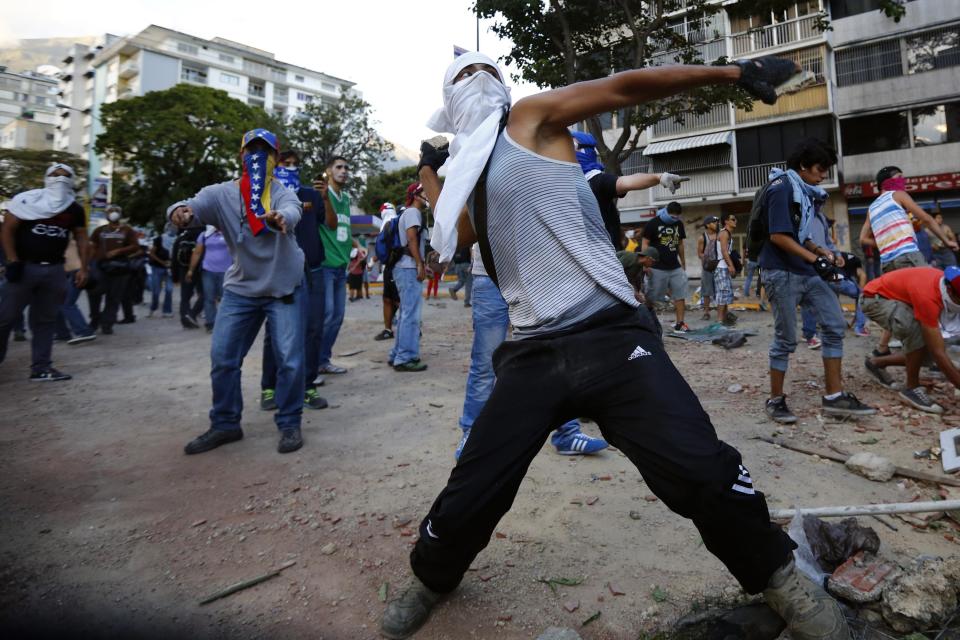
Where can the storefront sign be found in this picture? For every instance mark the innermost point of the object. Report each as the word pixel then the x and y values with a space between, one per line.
pixel 918 184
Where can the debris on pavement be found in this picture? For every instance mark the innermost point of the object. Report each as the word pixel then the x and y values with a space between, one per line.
pixel 556 633
pixel 922 597
pixel 246 584
pixel 748 622
pixel 861 578
pixel 950 446
pixel 833 544
pixel 871 466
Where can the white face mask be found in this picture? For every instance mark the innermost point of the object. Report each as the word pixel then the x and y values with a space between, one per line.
pixel 468 103
pixel 113 216
pixel 59 190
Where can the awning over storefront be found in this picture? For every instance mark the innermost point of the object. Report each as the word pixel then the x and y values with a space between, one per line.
pixel 694 142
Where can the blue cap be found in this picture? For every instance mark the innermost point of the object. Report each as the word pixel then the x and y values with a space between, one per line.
pixel 261 134
pixel 584 139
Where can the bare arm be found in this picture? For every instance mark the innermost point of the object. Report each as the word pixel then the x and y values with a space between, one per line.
pixel 83 247
pixel 861 278
pixel 682 254
pixel 701 247
pixel 933 340
pixel 904 200
pixel 8 235
pixel 195 258
pixel 636 182
pixel 866 235
pixel 724 241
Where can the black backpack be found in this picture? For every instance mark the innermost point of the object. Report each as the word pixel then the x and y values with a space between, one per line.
pixel 710 257
pixel 183 248
pixel 758 228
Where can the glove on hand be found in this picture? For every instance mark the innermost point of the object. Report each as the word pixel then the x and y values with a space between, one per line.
pixel 671 181
pixel 824 268
pixel 433 153
pixel 761 76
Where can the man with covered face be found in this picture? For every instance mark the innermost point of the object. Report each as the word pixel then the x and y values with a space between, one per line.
pixel 257 217
pixel 584 346
pixel 35 235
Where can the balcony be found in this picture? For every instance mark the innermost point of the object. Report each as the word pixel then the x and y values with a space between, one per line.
pixel 129 69
pixel 714 182
pixel 752 177
pixel 776 35
pixel 717 118
pixel 809 99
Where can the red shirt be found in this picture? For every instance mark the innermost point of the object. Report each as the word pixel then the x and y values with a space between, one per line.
pixel 918 287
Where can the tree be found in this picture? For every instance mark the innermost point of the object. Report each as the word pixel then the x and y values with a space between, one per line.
pixel 387 187
pixel 559 42
pixel 324 130
pixel 167 145
pixel 23 169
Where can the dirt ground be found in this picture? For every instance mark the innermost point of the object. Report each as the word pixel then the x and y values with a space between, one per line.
pixel 109 530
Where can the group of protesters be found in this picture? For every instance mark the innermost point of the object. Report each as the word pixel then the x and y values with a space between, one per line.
pixel 269 249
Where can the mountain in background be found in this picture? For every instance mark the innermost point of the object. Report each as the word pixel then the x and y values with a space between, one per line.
pixel 28 54
pixel 403 157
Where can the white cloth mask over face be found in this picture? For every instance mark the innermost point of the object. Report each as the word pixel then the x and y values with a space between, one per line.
pixel 39 204
pixel 472 109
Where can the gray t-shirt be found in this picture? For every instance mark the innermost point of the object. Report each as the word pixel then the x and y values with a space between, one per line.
pixel 411 217
pixel 268 265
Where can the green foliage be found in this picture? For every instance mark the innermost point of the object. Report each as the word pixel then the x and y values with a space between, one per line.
pixel 23 169
pixel 346 129
pixel 387 187
pixel 169 144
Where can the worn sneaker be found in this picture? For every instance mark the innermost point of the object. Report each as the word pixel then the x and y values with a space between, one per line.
pixel 190 321
pixel 290 441
pixel 453 294
pixel 332 369
pixel 461 444
pixel 809 611
pixel 776 409
pixel 386 334
pixel 212 439
pixel 580 444
pixel 879 354
pixel 846 404
pixel 49 375
pixel 880 374
pixel 79 339
pixel 918 399
pixel 863 333
pixel 268 400
pixel 813 343
pixel 410 611
pixel 313 399
pixel 681 327
pixel 319 381
pixel 411 366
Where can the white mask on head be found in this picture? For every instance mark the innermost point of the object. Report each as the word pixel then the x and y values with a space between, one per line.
pixel 113 216
pixel 39 204
pixel 60 190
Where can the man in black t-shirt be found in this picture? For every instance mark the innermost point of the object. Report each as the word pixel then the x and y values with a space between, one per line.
pixel 607 188
pixel 666 234
pixel 35 235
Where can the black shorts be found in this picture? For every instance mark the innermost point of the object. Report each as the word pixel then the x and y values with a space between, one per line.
pixel 389 286
pixel 355 280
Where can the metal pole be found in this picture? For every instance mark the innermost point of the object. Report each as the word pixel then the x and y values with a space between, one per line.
pixel 478 33
pixel 870 509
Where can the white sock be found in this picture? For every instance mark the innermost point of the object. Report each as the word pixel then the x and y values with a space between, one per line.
pixel 833 396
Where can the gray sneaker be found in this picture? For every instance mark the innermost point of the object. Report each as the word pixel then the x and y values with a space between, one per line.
pixel 776 409
pixel 809 611
pixel 407 613
pixel 846 405
pixel 918 399
pixel 880 375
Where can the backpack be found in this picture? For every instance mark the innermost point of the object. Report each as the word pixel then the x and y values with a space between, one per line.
pixel 387 247
pixel 758 228
pixel 710 259
pixel 183 247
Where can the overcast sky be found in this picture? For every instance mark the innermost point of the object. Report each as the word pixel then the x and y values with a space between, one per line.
pixel 396 52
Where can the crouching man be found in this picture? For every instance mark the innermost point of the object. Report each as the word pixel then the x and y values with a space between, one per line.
pixel 257 217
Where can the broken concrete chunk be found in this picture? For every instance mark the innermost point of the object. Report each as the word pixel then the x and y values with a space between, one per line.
pixel 871 466
pixel 922 597
pixel 860 579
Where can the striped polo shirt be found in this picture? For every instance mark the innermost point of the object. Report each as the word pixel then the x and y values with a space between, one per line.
pixel 554 261
pixel 892 228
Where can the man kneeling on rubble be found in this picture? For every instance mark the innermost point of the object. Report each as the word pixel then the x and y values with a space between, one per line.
pixel 921 307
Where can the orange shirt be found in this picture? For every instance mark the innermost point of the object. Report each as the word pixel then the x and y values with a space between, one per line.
pixel 918 287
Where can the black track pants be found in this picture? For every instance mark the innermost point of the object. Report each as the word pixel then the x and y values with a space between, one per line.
pixel 614 370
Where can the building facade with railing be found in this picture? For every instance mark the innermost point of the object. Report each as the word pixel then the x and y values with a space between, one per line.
pixel 158 58
pixel 882 93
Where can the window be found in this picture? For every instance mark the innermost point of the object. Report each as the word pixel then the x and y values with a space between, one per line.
pixel 304 97
pixel 227 58
pixel 878 132
pixel 255 68
pixel 280 93
pixel 39 100
pixel 229 78
pixel 255 88
pixel 636 162
pixel 327 86
pixel 869 63
pixel 846 8
pixel 183 47
pixel 936 124
pixel 193 74
pixel 935 49
pixel 21 97
pixel 773 143
pixel 299 78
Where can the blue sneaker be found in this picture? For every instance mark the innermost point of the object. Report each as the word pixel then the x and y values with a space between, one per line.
pixel 580 444
pixel 461 444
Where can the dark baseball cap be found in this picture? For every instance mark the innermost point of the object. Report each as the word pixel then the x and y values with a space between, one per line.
pixel 710 220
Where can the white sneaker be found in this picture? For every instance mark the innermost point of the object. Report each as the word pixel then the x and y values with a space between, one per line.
pixel 895 344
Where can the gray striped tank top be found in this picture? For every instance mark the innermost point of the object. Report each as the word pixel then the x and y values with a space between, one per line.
pixel 554 261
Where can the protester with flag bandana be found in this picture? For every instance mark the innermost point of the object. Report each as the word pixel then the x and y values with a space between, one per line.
pixel 607 188
pixel 257 217
pixel 308 238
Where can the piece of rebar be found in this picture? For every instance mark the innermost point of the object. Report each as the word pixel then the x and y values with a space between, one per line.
pixel 869 509
pixel 246 584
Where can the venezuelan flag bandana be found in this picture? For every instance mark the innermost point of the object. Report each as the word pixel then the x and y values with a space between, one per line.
pixel 255 188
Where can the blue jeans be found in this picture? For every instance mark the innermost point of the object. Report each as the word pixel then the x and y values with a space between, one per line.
pixel 490 323
pixel 844 287
pixel 313 333
pixel 785 291
pixel 334 305
pixel 407 345
pixel 238 322
pixel 160 277
pixel 71 312
pixel 212 292
pixel 748 273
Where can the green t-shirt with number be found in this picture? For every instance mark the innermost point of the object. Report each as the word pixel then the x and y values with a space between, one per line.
pixel 337 243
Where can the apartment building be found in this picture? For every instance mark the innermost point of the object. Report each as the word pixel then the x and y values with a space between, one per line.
pixel 859 87
pixel 28 115
pixel 158 58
